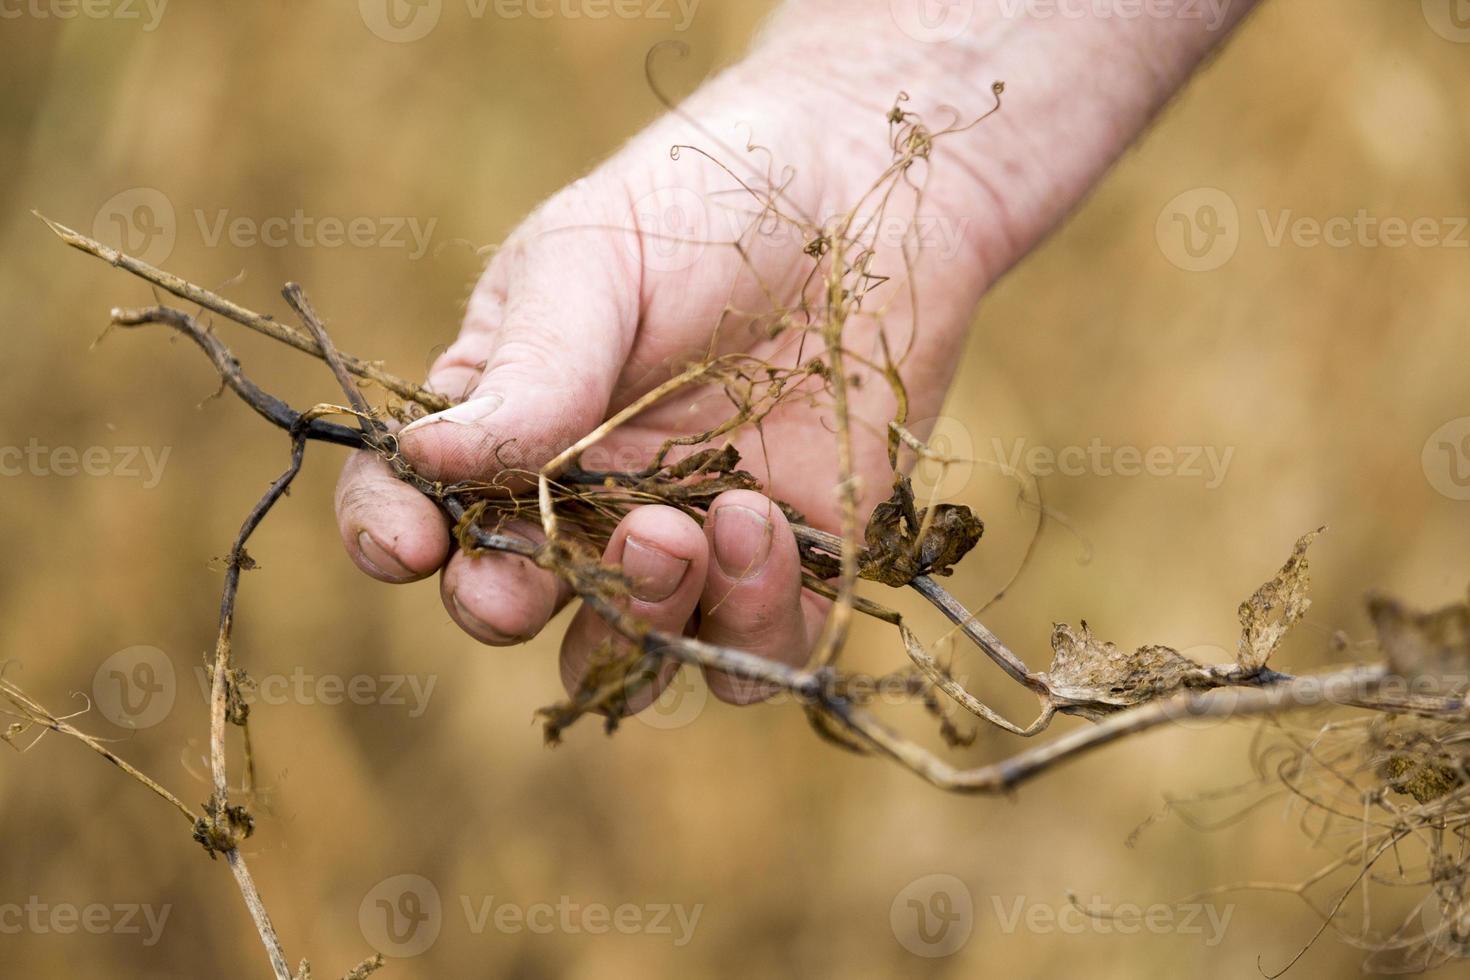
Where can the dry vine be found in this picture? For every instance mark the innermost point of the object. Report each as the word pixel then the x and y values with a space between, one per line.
pixel 904 545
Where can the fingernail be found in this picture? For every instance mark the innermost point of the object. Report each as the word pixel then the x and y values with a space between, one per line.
pixel 655 572
pixel 477 626
pixel 465 413
pixel 742 541
pixel 381 560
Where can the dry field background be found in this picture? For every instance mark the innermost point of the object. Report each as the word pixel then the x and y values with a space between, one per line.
pixel 1321 370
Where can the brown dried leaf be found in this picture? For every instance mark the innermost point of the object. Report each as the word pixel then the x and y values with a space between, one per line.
pixel 1432 646
pixel 1418 760
pixel 721 460
pixel 709 473
pixel 612 670
pixel 895 555
pixel 1267 616
pixel 1087 671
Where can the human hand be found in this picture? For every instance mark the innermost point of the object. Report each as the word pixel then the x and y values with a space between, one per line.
pixel 628 274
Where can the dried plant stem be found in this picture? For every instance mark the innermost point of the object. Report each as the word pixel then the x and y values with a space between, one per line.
pixel 222 829
pixel 32 713
pixel 1262 691
pixel 215 303
pixel 904 545
pixel 1234 703
pixel 259 915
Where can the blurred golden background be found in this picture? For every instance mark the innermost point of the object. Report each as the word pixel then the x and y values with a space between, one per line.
pixel 1324 371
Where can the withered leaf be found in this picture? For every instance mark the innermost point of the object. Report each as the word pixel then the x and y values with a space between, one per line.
pixel 1416 759
pixel 1267 616
pixel 614 670
pixel 702 492
pixel 1087 671
pixel 818 562
pixel 892 554
pixel 699 478
pixel 1432 646
pixel 722 460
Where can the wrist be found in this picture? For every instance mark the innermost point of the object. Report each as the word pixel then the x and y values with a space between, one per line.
pixel 1083 79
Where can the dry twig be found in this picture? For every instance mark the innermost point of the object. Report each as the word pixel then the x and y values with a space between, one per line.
pixel 903 545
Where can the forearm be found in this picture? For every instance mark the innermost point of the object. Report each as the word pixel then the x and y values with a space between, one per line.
pixel 1083 80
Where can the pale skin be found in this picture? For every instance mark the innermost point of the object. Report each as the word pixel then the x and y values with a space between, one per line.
pixel 576 317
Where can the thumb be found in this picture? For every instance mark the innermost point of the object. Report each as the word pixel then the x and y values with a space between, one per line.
pixel 544 341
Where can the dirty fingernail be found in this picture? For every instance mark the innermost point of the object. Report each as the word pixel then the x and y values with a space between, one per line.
pixel 655 572
pixel 465 413
pixel 477 627
pixel 742 541
pixel 381 560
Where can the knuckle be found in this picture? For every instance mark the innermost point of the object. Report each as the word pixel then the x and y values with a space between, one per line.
pixel 469 352
pixel 358 501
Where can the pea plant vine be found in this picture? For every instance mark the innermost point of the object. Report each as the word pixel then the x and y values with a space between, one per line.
pixel 1401 761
